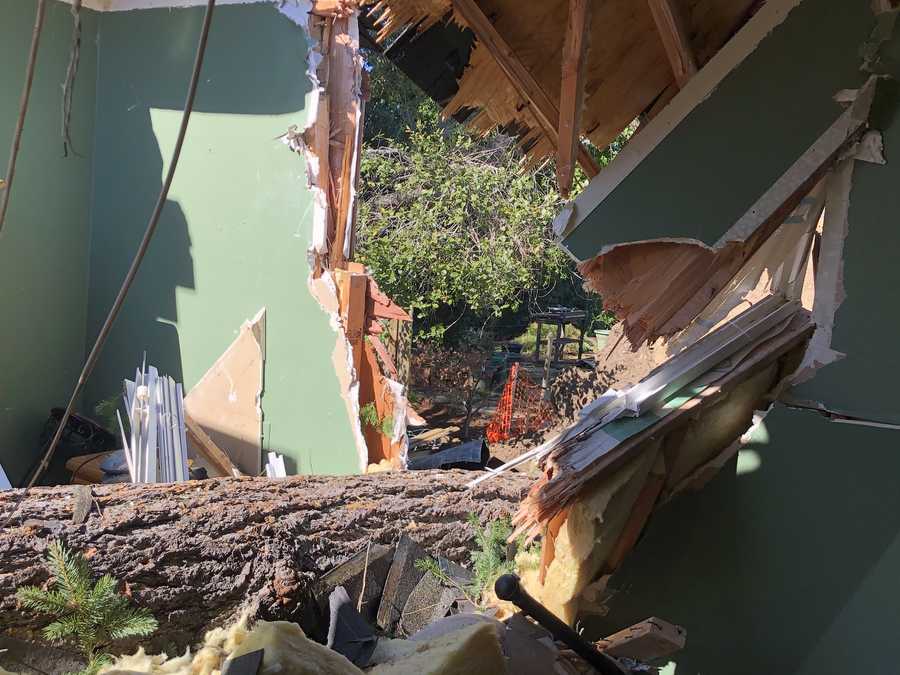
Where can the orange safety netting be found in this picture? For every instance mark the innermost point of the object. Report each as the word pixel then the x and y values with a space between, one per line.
pixel 522 408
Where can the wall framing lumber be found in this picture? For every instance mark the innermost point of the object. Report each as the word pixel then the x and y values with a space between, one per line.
pixel 671 24
pixel 544 110
pixel 571 99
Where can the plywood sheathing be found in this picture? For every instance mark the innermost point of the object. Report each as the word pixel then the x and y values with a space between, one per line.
pixel 227 401
pixel 657 287
pixel 626 70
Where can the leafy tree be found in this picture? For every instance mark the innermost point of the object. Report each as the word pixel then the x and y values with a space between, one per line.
pixel 87 615
pixel 452 226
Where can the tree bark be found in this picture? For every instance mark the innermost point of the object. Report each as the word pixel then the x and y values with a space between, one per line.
pixel 198 553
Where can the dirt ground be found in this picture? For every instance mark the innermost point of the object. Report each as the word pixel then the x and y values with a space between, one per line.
pixel 570 390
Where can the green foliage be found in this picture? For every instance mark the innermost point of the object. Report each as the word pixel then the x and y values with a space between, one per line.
pixel 452 225
pixel 105 412
pixel 489 558
pixel 368 415
pixel 394 102
pixel 86 615
pixel 431 566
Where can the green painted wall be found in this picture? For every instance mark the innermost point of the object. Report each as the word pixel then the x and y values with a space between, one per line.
pixel 44 244
pixel 759 120
pixel 864 383
pixel 234 233
pixel 785 564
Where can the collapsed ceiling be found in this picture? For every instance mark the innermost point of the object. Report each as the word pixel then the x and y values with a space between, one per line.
pixel 626 72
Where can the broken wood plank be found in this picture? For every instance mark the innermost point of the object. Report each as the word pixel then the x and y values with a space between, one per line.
pixel 649 640
pixel 571 98
pixel 673 32
pixel 352 299
pixel 207 447
pixel 545 111
pixel 199 553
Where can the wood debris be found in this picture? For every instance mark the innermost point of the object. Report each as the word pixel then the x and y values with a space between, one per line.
pixel 625 73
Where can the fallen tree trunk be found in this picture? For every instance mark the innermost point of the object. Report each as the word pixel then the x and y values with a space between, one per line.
pixel 198 553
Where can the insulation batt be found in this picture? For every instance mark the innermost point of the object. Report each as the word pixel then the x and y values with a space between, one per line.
pixel 472 650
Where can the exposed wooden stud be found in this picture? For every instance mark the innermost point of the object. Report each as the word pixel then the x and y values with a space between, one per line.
pixel 352 298
pixel 544 110
pixel 342 91
pixel 571 99
pixel 673 31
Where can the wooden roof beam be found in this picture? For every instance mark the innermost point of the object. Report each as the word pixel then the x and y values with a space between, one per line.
pixel 571 98
pixel 673 31
pixel 545 111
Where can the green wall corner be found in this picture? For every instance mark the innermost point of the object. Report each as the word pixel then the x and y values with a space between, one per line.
pixel 45 240
pixel 234 233
pixel 786 563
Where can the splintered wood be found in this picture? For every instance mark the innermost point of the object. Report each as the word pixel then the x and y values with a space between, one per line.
pixel 625 72
pixel 658 287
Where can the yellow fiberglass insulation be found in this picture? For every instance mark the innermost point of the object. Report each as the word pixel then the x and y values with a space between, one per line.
pixel 472 650
pixel 287 650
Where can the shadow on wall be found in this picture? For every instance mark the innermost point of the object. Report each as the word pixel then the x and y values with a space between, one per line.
pixel 763 568
pixel 145 63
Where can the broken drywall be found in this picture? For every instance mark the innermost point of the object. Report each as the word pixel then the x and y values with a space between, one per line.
pixel 658 287
pixel 324 290
pixel 696 90
pixel 760 117
pixel 227 401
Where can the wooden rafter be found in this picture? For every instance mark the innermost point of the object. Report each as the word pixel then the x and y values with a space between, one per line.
pixel 571 98
pixel 673 31
pixel 545 111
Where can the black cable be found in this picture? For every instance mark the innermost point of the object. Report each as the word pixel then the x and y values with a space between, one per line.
pixel 142 249
pixel 23 109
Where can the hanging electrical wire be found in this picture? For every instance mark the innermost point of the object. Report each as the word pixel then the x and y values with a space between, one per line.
pixel 7 183
pixel 69 84
pixel 141 251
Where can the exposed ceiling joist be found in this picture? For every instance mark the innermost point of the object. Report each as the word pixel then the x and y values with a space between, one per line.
pixel 673 31
pixel 571 99
pixel 544 110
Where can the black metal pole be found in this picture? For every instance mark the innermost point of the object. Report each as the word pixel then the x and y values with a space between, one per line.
pixel 508 588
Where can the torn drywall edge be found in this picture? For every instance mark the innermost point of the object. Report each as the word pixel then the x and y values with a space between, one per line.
pixel 401 412
pixel 817 155
pixel 324 290
pixel 298 11
pixel 870 50
pixel 220 401
pixel 698 88
pixel 829 271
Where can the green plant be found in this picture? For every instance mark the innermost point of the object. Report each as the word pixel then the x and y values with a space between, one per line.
pixel 86 615
pixel 489 559
pixel 105 412
pixel 433 567
pixel 368 415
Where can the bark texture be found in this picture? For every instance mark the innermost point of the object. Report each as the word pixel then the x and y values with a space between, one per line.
pixel 199 553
